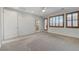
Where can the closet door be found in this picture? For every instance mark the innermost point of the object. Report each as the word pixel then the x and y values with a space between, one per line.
pixel 10 24
pixel 26 24
pixel 20 24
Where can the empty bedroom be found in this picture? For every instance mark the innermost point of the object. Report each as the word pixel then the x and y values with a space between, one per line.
pixel 39 28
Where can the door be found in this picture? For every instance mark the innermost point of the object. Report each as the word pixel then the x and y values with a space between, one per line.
pixel 10 24
pixel 46 24
pixel 26 24
pixel 37 26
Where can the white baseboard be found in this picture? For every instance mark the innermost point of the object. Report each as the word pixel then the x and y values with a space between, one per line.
pixel 8 41
pixel 16 38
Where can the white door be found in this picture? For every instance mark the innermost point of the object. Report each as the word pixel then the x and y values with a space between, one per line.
pixel 10 24
pixel 26 24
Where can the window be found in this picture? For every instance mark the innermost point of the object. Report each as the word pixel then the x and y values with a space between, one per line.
pixel 56 21
pixel 72 20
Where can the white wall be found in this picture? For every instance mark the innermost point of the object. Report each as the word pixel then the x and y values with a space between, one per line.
pixel 0 29
pixel 72 32
pixel 15 23
pixel 65 31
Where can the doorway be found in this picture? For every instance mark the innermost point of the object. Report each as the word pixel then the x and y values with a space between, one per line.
pixel 46 24
pixel 37 22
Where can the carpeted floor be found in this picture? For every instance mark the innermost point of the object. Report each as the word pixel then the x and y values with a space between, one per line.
pixel 43 42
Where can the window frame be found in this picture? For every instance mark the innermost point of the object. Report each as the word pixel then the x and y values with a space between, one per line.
pixel 72 20
pixel 58 21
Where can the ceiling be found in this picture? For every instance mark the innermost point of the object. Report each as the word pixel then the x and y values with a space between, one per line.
pixel 49 10
pixel 38 10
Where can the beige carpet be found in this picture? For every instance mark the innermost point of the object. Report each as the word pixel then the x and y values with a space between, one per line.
pixel 43 42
